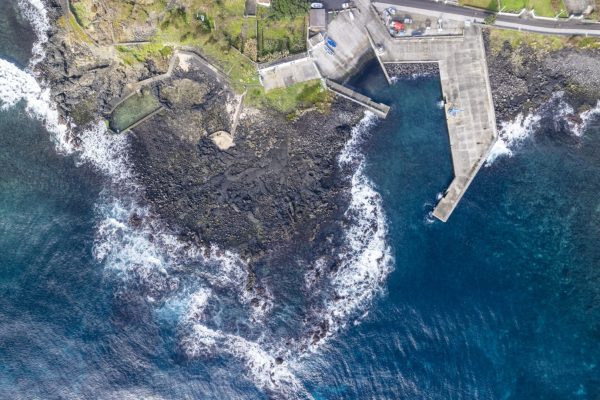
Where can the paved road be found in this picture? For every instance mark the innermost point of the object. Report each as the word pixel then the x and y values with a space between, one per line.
pixel 572 27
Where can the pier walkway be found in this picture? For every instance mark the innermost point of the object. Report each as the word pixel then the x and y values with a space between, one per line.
pixel 379 109
pixel 469 109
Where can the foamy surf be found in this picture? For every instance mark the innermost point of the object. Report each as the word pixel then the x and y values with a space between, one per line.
pixel 35 12
pixel 513 133
pixel 365 260
pixel 16 86
pixel 368 259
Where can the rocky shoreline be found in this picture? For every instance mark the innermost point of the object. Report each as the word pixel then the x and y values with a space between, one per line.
pixel 523 79
pixel 279 184
pixel 412 70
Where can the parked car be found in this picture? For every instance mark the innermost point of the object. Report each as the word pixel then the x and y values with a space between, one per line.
pixel 345 5
pixel 316 5
pixel 331 42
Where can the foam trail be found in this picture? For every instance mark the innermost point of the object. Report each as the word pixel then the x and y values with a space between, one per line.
pixel 511 134
pixel 35 12
pixel 266 371
pixel 366 259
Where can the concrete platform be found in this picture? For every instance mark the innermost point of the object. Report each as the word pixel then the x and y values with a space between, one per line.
pixel 466 90
pixel 289 73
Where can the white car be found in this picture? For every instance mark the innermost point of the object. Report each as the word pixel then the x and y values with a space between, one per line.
pixel 345 5
pixel 316 5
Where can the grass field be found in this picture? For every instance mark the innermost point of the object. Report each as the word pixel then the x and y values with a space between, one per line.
pixel 287 100
pixel 542 8
pixel 539 42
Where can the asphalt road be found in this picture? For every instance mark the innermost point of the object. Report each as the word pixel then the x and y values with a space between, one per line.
pixel 571 27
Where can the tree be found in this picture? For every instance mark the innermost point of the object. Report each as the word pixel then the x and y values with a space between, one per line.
pixel 490 19
pixel 288 8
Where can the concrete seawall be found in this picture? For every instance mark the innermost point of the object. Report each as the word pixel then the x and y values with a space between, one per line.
pixel 379 109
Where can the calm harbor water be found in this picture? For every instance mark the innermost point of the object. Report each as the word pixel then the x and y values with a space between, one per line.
pixel 501 302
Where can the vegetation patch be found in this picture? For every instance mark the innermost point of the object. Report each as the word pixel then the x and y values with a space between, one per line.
pixel 542 8
pixel 292 99
pixel 83 12
pixel 145 52
pixel 283 9
pixel 280 37
pixel 538 41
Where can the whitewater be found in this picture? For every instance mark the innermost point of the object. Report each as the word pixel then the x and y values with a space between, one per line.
pixel 145 255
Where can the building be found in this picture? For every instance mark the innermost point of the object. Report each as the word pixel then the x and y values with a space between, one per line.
pixel 317 19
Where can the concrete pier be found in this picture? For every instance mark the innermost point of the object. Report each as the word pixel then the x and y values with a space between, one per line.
pixel 469 109
pixel 379 109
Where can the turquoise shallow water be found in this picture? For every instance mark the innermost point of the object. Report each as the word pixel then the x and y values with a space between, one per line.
pixel 501 302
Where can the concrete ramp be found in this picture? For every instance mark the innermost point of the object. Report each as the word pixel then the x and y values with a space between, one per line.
pixel 379 109
pixel 288 73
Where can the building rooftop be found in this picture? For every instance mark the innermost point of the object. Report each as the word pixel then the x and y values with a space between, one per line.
pixel 317 18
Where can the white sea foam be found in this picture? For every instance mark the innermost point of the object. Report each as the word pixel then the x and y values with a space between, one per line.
pixel 515 132
pixel 35 12
pixel 511 135
pixel 586 117
pixel 265 370
pixel 17 85
pixel 365 259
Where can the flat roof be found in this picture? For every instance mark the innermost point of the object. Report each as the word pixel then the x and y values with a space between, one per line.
pixel 317 18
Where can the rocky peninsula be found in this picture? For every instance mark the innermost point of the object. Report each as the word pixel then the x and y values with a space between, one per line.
pixel 218 170
pixel 276 180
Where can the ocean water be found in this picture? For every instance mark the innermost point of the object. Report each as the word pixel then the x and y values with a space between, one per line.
pixel 501 302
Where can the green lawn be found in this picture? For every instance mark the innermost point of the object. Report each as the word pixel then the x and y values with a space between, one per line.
pixel 293 98
pixel 542 8
pixel 513 5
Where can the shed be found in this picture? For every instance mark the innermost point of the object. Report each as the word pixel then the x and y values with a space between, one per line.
pixel 317 19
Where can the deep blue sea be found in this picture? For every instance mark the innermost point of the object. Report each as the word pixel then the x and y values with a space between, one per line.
pixel 500 302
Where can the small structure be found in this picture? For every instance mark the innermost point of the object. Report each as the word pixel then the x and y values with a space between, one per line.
pixel 317 19
pixel 222 139
pixel 264 3
pixel 316 40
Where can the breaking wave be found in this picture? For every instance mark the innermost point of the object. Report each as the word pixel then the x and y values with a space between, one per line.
pixel 513 133
pixel 367 258
pixel 35 12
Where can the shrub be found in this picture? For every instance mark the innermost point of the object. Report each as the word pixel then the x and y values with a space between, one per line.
pixel 288 8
